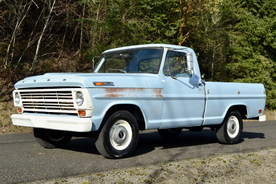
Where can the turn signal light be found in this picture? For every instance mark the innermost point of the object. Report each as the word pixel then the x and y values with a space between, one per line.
pixel 82 113
pixel 19 110
pixel 103 83
pixel 98 83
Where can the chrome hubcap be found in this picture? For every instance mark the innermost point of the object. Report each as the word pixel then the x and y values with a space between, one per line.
pixel 120 135
pixel 233 126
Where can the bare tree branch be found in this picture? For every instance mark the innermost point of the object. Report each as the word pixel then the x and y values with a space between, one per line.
pixel 30 41
pixel 35 4
pixel 65 31
pixel 81 35
pixel 19 21
pixel 41 35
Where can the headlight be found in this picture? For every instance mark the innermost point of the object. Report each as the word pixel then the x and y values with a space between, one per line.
pixel 79 98
pixel 17 98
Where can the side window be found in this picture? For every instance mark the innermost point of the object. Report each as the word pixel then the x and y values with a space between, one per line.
pixel 149 66
pixel 175 64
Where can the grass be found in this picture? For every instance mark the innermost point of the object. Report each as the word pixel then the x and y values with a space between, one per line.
pixel 270 114
pixel 6 126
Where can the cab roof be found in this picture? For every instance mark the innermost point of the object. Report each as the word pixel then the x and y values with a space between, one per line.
pixel 168 46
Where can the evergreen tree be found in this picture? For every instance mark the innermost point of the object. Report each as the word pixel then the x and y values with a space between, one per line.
pixel 251 43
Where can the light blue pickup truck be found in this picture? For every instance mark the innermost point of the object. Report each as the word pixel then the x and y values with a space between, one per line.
pixel 154 86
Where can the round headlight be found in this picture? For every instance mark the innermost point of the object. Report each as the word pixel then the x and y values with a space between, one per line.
pixel 17 98
pixel 79 98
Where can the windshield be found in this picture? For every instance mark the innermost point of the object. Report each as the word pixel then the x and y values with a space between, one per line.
pixel 131 61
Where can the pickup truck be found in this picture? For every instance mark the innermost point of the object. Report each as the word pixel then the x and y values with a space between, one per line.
pixel 134 88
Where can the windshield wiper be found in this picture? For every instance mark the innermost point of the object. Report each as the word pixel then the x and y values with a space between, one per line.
pixel 117 70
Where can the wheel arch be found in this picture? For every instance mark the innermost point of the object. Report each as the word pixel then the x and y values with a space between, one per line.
pixel 133 109
pixel 230 130
pixel 241 108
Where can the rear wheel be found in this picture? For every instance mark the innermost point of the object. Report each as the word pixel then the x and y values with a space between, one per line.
pixel 230 131
pixel 51 138
pixel 172 133
pixel 119 136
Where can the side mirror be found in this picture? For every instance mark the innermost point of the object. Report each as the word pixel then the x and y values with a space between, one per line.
pixel 189 63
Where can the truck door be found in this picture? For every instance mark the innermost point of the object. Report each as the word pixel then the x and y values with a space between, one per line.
pixel 183 92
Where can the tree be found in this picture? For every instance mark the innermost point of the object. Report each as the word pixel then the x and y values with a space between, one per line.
pixel 233 39
pixel 251 46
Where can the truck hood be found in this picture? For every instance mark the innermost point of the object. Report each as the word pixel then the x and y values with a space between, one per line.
pixel 87 80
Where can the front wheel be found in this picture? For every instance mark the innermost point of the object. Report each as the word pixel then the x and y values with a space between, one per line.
pixel 119 136
pixel 231 129
pixel 51 138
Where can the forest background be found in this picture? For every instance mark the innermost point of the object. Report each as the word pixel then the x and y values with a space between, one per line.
pixel 235 40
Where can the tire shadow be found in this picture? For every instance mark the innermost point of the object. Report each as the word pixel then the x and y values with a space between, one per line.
pixel 150 140
pixel 253 135
pixel 82 144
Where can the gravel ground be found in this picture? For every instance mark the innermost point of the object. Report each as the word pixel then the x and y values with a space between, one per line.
pixel 252 167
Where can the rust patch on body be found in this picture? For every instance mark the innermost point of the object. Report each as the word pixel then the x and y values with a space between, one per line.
pixel 117 90
pixel 122 92
pixel 114 95
pixel 136 89
pixel 131 92
pixel 157 93
pixel 114 90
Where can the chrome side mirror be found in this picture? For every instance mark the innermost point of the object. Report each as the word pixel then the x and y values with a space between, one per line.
pixel 189 63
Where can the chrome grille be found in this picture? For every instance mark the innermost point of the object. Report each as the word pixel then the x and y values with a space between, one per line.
pixel 48 101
